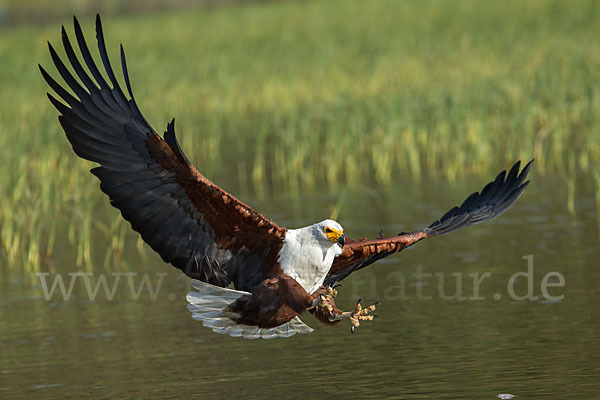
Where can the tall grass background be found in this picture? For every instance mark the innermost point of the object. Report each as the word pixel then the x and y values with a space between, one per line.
pixel 297 95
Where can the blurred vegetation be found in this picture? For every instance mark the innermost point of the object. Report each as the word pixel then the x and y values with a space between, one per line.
pixel 295 95
pixel 14 12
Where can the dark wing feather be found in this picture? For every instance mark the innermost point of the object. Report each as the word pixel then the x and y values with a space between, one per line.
pixel 495 198
pixel 192 223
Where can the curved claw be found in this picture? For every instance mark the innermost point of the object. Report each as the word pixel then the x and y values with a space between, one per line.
pixel 355 316
pixel 337 285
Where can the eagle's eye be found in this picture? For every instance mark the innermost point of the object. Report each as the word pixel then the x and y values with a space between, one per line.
pixel 327 230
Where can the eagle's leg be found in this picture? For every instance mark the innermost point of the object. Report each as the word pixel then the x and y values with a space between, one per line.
pixel 325 299
pixel 325 310
pixel 355 316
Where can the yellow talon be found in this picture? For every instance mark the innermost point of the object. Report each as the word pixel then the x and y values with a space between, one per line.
pixel 358 314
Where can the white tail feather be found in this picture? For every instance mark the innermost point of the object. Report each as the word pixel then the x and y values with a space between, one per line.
pixel 208 303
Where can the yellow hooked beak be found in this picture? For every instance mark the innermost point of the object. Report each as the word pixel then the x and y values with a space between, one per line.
pixel 335 235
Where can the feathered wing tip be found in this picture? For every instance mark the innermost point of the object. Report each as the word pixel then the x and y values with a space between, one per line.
pixel 208 303
pixel 495 198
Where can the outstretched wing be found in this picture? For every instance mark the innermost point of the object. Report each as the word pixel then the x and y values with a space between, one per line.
pixel 495 198
pixel 192 223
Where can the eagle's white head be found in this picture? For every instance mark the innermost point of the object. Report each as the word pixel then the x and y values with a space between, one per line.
pixel 329 231
pixel 307 253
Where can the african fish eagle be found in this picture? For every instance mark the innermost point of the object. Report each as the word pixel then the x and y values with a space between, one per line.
pixel 210 235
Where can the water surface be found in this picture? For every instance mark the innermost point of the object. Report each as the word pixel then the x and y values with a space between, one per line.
pixel 418 348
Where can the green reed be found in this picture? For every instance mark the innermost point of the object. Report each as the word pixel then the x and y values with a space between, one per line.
pixel 296 95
